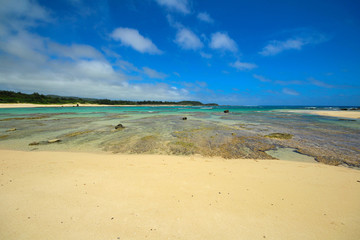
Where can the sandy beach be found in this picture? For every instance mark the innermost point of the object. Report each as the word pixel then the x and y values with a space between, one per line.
pixel 58 195
pixel 339 114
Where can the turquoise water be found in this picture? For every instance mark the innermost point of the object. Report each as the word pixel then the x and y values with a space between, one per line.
pixel 241 133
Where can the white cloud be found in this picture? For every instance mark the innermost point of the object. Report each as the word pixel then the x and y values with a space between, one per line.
pixel 205 17
pixel 290 92
pixel 186 39
pixel 243 65
pixel 205 55
pixel 29 10
pixel 175 5
pixel 32 63
pixel 320 83
pixel 222 41
pixel 275 47
pixel 132 38
pixel 74 51
pixel 261 78
pixel 294 43
pixel 151 73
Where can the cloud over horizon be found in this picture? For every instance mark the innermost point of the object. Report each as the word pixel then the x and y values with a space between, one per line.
pixel 50 67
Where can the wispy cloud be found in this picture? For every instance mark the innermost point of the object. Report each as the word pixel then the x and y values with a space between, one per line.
pixel 275 47
pixel 181 6
pixel 205 17
pixel 297 42
pixel 151 73
pixel 318 83
pixel 186 39
pixel 278 82
pixel 132 38
pixel 290 92
pixel 222 41
pixel 243 65
pixel 205 55
pixel 291 82
pixel 261 78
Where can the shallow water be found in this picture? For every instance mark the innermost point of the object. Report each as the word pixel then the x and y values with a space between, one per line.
pixel 242 133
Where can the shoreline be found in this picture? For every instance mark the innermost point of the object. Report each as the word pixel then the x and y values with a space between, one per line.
pixel 327 113
pixel 107 196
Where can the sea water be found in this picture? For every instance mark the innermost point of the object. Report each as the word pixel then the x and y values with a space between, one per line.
pixel 244 132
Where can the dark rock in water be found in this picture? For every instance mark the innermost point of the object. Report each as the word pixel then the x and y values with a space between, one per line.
pixel 279 135
pixel 54 140
pixel 119 126
pixel 343 109
pixel 34 143
pixel 348 120
pixel 226 111
pixel 184 118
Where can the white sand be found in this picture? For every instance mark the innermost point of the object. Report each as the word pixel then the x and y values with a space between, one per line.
pixel 339 114
pixel 53 195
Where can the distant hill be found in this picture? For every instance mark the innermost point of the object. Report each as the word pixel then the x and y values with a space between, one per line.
pixel 36 98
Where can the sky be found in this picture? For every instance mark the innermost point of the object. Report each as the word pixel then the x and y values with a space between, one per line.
pixel 232 52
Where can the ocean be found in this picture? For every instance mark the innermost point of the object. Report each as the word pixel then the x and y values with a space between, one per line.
pixel 257 132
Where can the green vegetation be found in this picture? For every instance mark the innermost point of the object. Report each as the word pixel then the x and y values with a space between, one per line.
pixel 18 97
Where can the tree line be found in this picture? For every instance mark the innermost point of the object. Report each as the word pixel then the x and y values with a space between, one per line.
pixel 36 98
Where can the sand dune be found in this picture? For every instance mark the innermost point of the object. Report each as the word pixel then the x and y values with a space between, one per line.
pixel 52 195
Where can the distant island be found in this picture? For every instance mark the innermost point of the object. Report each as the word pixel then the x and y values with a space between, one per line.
pixel 36 98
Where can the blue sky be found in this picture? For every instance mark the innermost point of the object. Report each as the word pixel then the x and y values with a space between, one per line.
pixel 230 52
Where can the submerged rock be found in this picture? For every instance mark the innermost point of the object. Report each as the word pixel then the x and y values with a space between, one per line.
pixel 184 118
pixel 11 130
pixel 119 126
pixel 226 111
pixel 347 120
pixel 34 143
pixel 279 135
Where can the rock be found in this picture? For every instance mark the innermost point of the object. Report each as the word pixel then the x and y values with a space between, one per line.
pixel 34 143
pixel 348 120
pixel 11 130
pixel 54 140
pixel 184 118
pixel 119 126
pixel 279 135
pixel 226 111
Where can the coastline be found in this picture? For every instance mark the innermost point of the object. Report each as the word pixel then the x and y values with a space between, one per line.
pixel 334 113
pixel 111 196
pixel 32 105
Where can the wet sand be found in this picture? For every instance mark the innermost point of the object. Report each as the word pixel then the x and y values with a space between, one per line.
pixel 59 195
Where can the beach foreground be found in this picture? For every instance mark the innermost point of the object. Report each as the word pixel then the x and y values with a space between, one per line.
pixel 53 195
